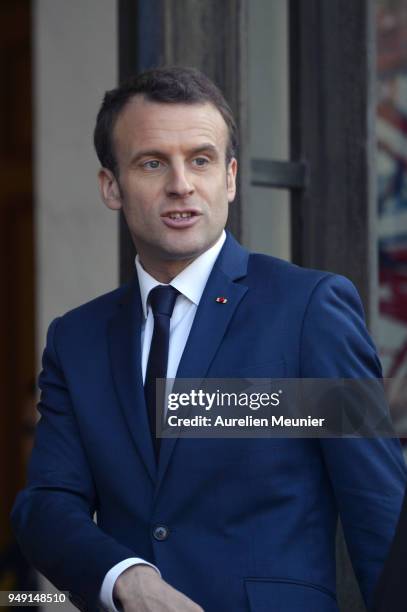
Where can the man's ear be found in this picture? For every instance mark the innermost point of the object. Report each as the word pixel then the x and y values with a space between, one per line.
pixel 231 179
pixel 109 189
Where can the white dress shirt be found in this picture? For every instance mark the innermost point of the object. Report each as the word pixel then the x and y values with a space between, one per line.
pixel 190 283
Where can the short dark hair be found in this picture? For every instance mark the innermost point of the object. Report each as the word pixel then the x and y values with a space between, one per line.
pixel 169 85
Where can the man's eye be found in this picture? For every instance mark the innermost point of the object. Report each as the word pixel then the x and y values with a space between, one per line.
pixel 152 164
pixel 201 161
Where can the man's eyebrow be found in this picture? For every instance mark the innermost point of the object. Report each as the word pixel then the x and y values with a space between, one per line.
pixel 205 147
pixel 146 153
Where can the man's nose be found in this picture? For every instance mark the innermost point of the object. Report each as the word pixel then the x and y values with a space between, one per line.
pixel 179 184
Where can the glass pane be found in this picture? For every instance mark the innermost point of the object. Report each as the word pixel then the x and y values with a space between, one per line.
pixel 266 214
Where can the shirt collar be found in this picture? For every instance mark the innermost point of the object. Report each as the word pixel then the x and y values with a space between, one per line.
pixel 190 282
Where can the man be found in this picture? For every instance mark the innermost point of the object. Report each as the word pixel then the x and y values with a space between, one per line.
pixel 232 524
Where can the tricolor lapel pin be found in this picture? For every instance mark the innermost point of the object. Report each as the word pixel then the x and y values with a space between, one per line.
pixel 221 300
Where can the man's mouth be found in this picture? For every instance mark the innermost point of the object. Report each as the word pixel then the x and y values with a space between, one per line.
pixel 183 215
pixel 180 218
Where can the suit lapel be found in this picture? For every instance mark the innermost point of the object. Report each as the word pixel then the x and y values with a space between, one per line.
pixel 125 354
pixel 210 325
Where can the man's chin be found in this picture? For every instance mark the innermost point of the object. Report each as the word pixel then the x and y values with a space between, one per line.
pixel 186 255
pixel 187 252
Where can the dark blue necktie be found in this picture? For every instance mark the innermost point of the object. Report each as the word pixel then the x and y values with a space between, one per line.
pixel 162 300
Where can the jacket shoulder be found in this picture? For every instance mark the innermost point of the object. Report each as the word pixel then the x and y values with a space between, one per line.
pixel 273 276
pixel 279 270
pixel 101 307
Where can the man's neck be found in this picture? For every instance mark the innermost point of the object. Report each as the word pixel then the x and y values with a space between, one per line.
pixel 165 271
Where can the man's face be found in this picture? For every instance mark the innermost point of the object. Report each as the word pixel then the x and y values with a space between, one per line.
pixel 172 180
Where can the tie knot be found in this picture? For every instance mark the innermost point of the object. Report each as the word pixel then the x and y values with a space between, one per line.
pixel 162 299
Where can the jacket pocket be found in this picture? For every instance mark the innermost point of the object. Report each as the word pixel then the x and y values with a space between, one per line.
pixel 279 595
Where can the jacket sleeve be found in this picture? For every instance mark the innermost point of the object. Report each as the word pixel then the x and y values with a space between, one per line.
pixel 53 515
pixel 368 475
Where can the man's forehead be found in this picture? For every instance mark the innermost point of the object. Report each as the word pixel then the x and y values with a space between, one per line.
pixel 144 118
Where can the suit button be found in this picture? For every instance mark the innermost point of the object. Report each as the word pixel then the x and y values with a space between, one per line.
pixel 161 532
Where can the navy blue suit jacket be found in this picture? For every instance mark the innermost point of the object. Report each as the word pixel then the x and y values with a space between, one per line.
pixel 251 521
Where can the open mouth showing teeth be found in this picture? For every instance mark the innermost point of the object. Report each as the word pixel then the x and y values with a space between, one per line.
pixel 185 215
